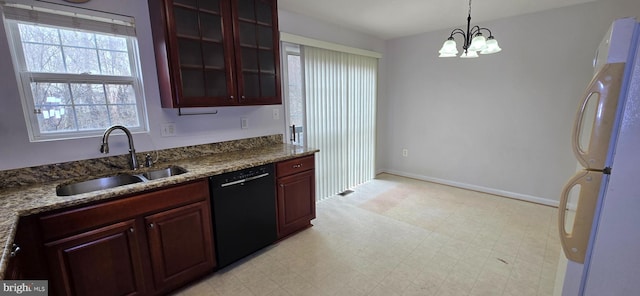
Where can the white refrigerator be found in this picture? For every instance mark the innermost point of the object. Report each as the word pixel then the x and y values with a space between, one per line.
pixel 599 212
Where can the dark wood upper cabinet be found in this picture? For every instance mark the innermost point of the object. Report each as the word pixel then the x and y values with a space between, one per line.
pixel 216 52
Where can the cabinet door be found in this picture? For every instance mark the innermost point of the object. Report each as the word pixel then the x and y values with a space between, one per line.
pixel 296 202
pixel 200 53
pixel 180 244
pixel 257 51
pixel 26 254
pixel 104 261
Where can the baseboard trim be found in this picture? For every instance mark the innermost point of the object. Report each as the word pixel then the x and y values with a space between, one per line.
pixel 508 194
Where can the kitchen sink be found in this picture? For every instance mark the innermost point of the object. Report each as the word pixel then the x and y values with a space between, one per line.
pixel 97 184
pixel 117 180
pixel 163 173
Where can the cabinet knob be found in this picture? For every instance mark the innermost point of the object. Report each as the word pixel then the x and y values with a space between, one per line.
pixel 243 97
pixel 231 98
pixel 296 166
pixel 152 225
pixel 131 229
pixel 15 249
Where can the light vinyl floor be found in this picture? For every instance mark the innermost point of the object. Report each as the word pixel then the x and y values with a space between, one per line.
pixel 399 236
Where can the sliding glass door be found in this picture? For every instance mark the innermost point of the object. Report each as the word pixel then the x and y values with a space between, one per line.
pixel 330 101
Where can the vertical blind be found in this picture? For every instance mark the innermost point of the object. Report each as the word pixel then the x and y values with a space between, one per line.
pixel 340 92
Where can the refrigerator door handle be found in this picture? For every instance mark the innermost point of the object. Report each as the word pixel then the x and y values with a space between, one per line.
pixel 575 244
pixel 606 84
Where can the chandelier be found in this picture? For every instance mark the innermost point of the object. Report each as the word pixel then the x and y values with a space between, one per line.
pixel 473 42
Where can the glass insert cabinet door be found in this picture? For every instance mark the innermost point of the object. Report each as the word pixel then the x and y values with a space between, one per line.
pixel 203 41
pixel 216 52
pixel 257 51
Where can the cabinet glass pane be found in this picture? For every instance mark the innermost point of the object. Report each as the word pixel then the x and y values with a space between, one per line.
pixel 192 3
pixel 267 63
pixel 251 84
pixel 216 83
pixel 186 22
pixel 213 55
pixel 192 83
pixel 264 12
pixel 211 26
pixel 190 52
pixel 268 85
pixel 265 37
pixel 249 59
pixel 210 5
pixel 246 9
pixel 247 34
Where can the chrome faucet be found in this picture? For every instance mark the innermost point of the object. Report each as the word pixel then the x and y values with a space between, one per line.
pixel 104 148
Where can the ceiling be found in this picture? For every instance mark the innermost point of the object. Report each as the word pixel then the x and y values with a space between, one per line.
pixel 387 19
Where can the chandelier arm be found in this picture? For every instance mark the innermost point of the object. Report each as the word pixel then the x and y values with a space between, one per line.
pixel 486 29
pixel 464 37
pixel 474 31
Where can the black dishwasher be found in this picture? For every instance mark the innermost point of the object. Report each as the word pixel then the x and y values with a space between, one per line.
pixel 244 212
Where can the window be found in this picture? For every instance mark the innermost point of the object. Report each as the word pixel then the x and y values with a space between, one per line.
pixel 78 74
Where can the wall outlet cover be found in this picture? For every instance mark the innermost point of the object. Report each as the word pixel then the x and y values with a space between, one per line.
pixel 168 129
pixel 244 123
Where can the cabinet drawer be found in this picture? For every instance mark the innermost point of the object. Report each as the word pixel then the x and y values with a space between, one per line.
pixel 84 218
pixel 288 167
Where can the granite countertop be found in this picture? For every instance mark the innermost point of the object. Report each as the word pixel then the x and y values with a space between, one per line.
pixel 34 199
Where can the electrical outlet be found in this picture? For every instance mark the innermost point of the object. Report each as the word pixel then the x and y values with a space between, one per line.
pixel 276 114
pixel 244 123
pixel 405 152
pixel 168 129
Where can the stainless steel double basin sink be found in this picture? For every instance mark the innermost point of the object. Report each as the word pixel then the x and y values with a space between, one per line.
pixel 117 180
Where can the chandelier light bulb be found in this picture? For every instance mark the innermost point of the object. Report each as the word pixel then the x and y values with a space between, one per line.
pixel 478 43
pixel 449 49
pixel 469 54
pixel 492 46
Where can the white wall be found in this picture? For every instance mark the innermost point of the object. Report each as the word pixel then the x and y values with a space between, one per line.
pixel 16 151
pixel 500 123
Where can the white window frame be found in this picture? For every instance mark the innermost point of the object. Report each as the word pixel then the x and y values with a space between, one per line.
pixel 25 78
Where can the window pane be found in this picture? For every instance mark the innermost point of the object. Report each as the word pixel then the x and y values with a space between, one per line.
pixel 126 115
pixel 43 58
pixel 81 60
pixel 115 63
pixel 92 117
pixel 77 38
pixel 56 119
pixel 45 93
pixel 38 34
pixel 120 94
pixel 111 42
pixel 88 94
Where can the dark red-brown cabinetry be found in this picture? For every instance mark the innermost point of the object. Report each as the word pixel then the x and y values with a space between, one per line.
pixel 146 244
pixel 216 52
pixel 296 200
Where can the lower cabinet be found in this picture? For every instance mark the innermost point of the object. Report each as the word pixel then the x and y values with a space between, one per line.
pixel 25 258
pixel 156 242
pixel 105 261
pixel 296 194
pixel 179 247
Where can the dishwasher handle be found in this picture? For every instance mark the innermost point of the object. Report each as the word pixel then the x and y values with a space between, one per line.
pixel 245 180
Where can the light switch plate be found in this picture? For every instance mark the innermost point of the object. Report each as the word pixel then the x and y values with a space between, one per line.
pixel 276 114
